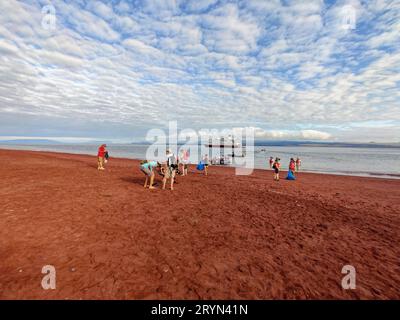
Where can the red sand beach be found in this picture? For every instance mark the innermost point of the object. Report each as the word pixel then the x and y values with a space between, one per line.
pixel 216 237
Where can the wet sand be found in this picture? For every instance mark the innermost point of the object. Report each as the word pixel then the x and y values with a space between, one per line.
pixel 216 237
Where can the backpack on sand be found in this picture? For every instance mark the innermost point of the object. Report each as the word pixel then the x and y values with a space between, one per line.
pixel 200 166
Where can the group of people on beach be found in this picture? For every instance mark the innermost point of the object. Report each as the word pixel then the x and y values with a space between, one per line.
pixel 178 165
pixel 294 166
pixel 169 169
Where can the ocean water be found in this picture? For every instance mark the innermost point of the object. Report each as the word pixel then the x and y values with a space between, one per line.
pixel 378 162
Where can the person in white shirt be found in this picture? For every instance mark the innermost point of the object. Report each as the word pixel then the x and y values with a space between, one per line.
pixel 169 169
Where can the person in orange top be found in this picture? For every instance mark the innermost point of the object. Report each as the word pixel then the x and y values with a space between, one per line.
pixel 100 156
pixel 276 166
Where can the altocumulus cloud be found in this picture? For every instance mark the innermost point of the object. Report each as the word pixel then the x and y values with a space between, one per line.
pixel 114 69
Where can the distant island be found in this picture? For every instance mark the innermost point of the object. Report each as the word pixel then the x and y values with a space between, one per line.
pixel 261 143
pixel 30 141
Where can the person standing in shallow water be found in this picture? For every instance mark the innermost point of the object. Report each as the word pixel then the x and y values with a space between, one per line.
pixel 101 152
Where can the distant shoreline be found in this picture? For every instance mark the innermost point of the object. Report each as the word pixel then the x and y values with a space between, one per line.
pixel 277 143
pixel 376 175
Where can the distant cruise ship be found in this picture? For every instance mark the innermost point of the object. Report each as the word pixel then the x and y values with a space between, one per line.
pixel 226 142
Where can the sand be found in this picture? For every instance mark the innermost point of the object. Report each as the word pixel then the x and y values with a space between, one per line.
pixel 216 237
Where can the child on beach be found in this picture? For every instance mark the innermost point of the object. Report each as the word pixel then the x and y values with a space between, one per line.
pixel 276 166
pixel 147 167
pixel 106 157
pixel 100 156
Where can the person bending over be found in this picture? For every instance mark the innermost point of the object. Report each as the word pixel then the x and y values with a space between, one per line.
pixel 147 167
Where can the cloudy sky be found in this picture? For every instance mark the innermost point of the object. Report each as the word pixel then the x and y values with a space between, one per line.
pixel 309 69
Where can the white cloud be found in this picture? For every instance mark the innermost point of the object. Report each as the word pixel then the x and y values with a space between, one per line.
pixel 228 32
pixel 101 9
pixel 280 66
pixel 199 5
pixel 7 47
pixel 263 134
pixel 91 25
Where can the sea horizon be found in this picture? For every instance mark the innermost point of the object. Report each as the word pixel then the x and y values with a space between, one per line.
pixel 358 161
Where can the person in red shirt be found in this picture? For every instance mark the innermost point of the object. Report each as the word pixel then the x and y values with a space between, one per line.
pixel 100 156
pixel 292 165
